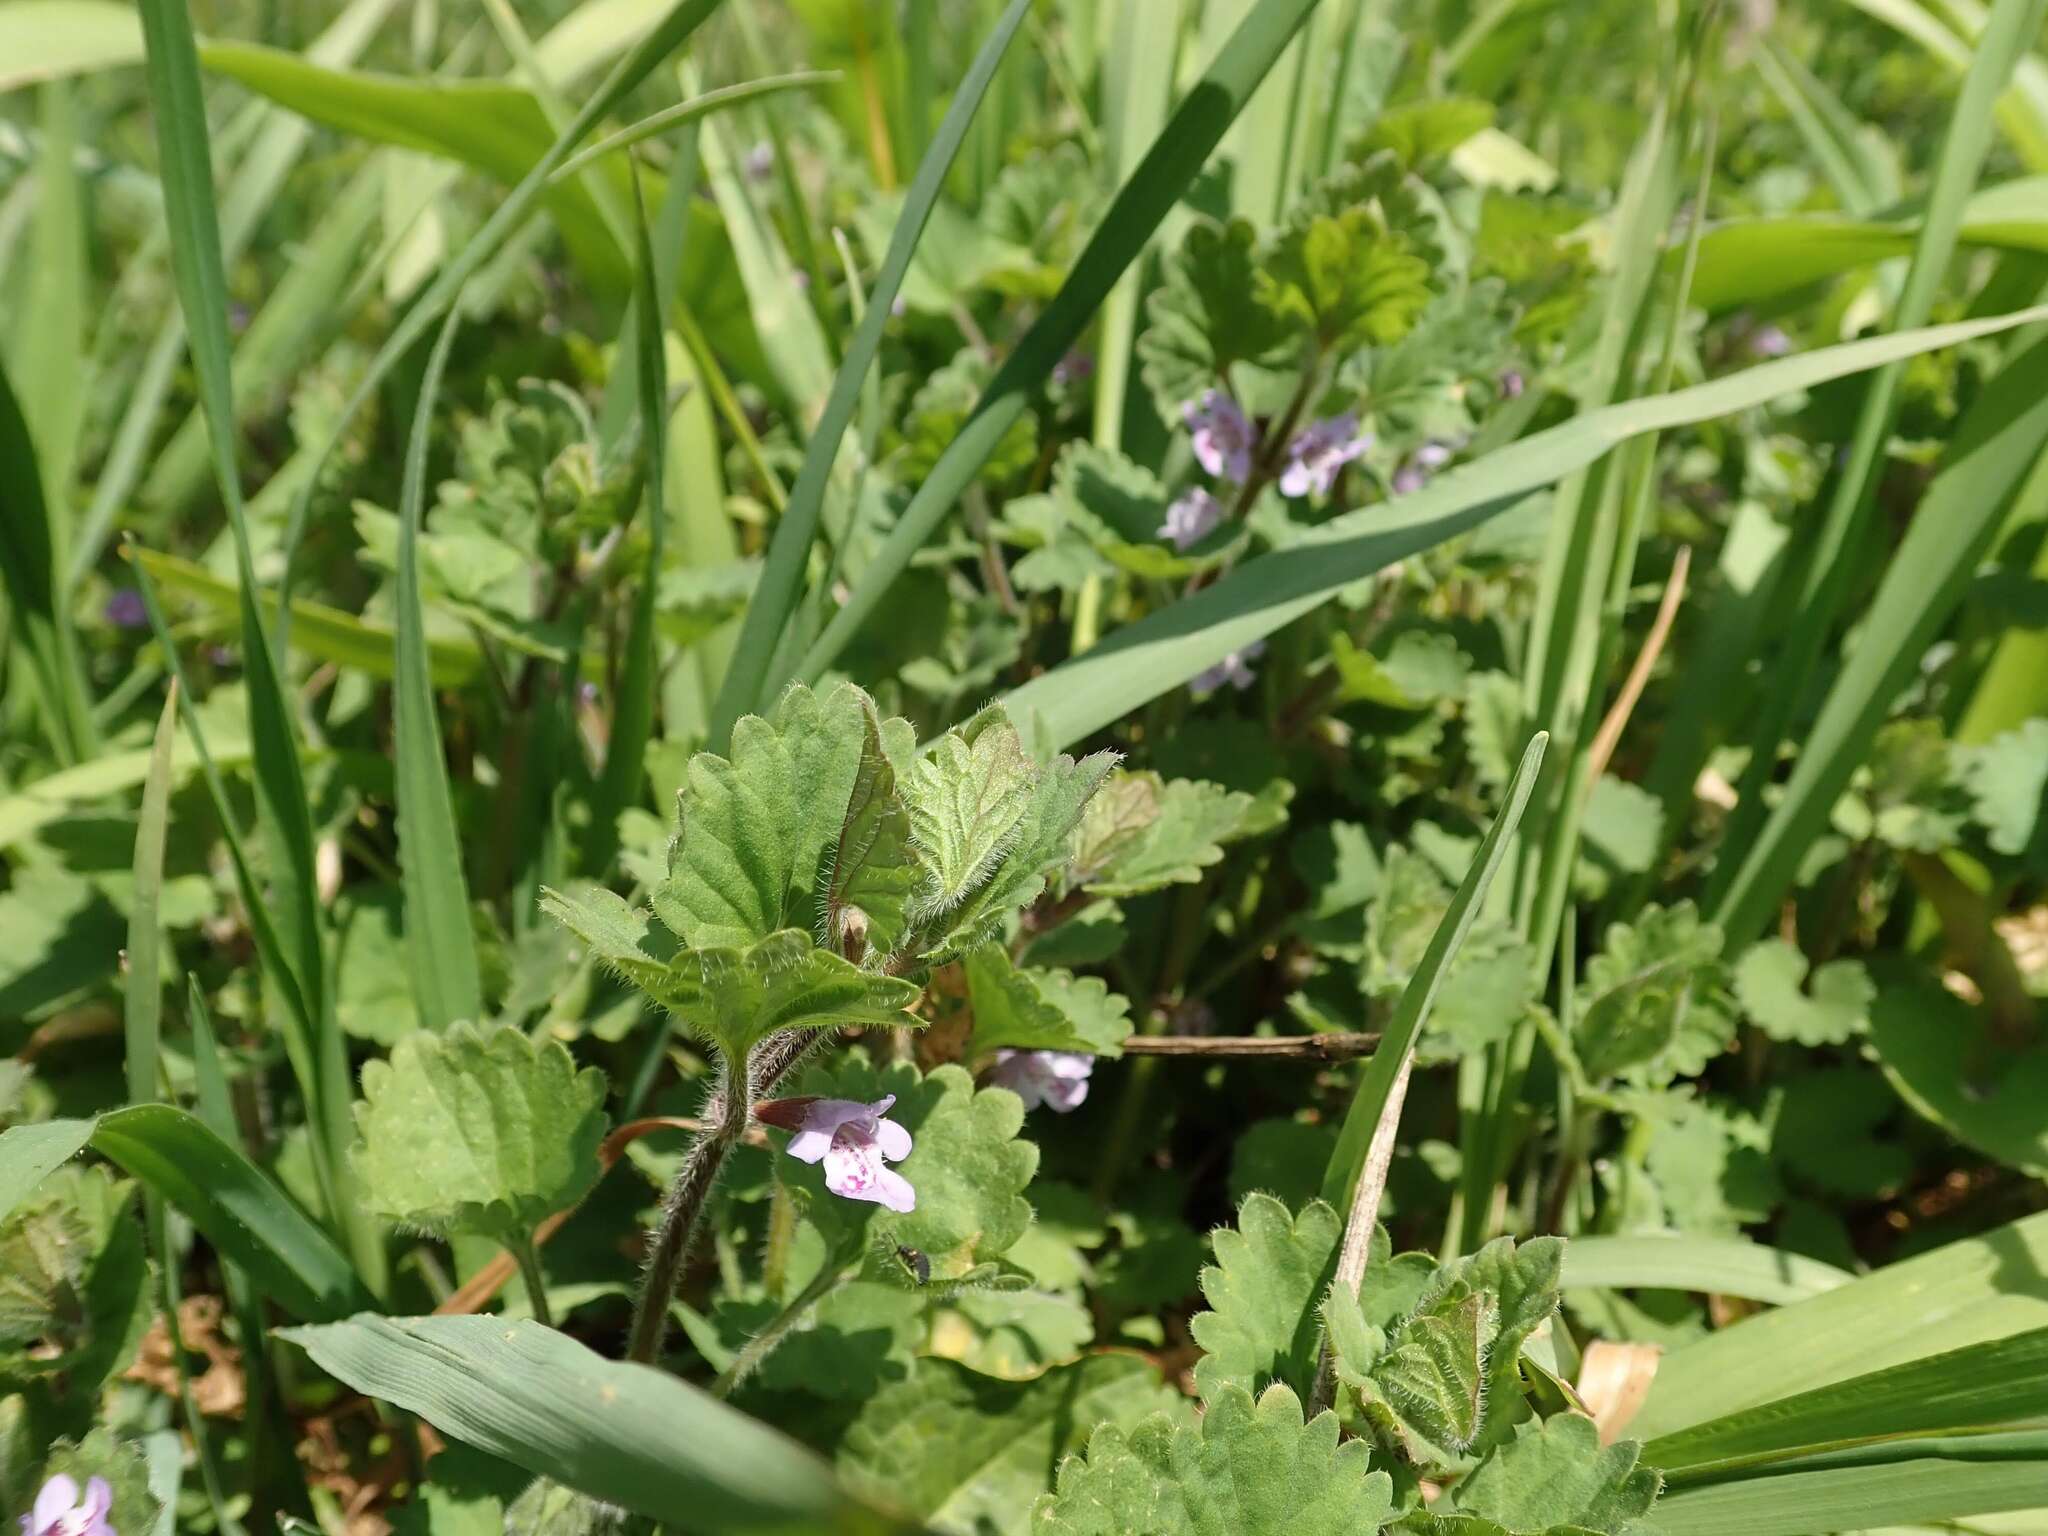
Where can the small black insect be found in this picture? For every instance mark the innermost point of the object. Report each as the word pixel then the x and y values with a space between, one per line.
pixel 916 1263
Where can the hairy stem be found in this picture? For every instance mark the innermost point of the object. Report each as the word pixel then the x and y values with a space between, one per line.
pixel 527 1256
pixel 829 1278
pixel 682 1212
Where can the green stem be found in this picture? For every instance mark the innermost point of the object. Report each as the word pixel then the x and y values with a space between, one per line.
pixel 682 1213
pixel 527 1257
pixel 763 1344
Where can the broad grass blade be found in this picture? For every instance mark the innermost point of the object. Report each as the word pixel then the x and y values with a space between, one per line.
pixel 627 1434
pixel 1684 1261
pixel 747 682
pixel 447 980
pixel 143 1010
pixel 1166 648
pixel 1977 1289
pixel 1412 1012
pixel 1212 103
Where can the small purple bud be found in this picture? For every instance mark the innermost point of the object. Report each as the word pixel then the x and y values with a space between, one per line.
pixel 587 691
pixel 1223 435
pixel 1191 519
pixel 1512 384
pixel 1074 367
pixel 125 609
pixel 1319 451
pixel 801 278
pixel 898 307
pixel 1234 669
pixel 220 655
pixel 760 161
pixel 1058 1079
pixel 1769 341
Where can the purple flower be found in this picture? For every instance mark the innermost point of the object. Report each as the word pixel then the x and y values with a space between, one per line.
pixel 1512 384
pixel 1057 1078
pixel 1318 451
pixel 1073 368
pixel 853 1141
pixel 1191 519
pixel 1223 436
pixel 1769 341
pixel 60 1512
pixel 1414 475
pixel 759 162
pixel 1234 669
pixel 899 307
pixel 125 610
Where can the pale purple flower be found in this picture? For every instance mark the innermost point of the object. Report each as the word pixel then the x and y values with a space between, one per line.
pixel 1191 519
pixel 1318 451
pixel 759 162
pixel 1512 384
pixel 801 279
pixel 1769 341
pixel 899 307
pixel 853 1141
pixel 1073 368
pixel 1414 475
pixel 1224 438
pixel 59 1511
pixel 1057 1078
pixel 125 609
pixel 1234 669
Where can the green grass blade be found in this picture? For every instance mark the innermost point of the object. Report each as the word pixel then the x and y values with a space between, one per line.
pixel 747 682
pixel 1166 648
pixel 1947 1481
pixel 143 1013
pixel 243 1214
pixel 28 575
pixel 323 633
pixel 1966 1293
pixel 1833 136
pixel 1720 1266
pixel 1997 1382
pixel 689 111
pixel 281 799
pixel 1412 1012
pixel 29 1153
pixel 447 980
pixel 1211 104
pixel 1829 561
pixel 51 344
pixel 1993 469
pixel 625 761
pixel 54 39
pixel 628 1434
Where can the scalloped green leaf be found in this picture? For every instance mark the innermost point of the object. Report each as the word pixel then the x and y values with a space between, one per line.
pixel 1119 506
pixel 1248 1469
pixel 967 1453
pixel 2007 778
pixel 1651 1004
pixel 1039 1008
pixel 1203 320
pixel 1831 1007
pixel 484 1134
pixel 753 829
pixel 1561 1475
pixel 1193 821
pixel 1265 1291
pixel 871 871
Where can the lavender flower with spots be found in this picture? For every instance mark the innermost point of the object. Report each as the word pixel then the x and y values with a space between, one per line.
pixel 1055 1078
pixel 1223 435
pixel 125 609
pixel 1234 669
pixel 854 1142
pixel 60 1510
pixel 1319 451
pixel 1191 519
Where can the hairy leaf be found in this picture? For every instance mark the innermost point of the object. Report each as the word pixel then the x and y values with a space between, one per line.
pixel 1193 821
pixel 1204 320
pixel 485 1134
pixel 1651 1004
pixel 1560 1475
pixel 1266 1288
pixel 1038 1008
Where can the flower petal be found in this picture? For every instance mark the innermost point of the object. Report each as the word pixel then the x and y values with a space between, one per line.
pixel 893 1191
pixel 99 1498
pixel 58 1498
pixel 853 1169
pixel 809 1146
pixel 892 1140
pixel 828 1115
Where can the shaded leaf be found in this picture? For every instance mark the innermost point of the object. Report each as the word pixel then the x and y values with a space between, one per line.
pixel 1037 1008
pixel 1265 1291
pixel 1651 1004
